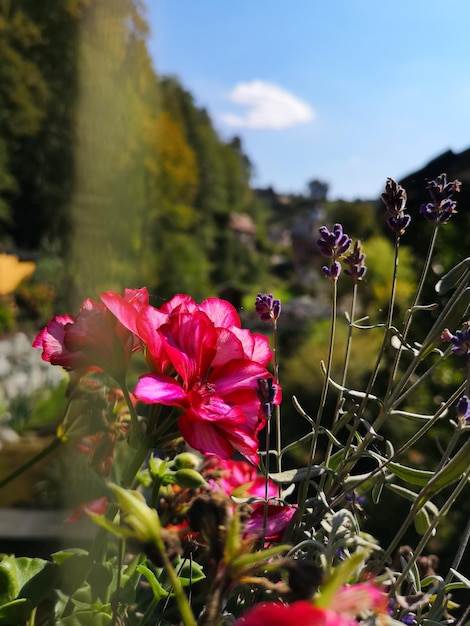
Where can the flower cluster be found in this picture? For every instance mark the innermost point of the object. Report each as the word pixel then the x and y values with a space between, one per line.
pixel 442 205
pixel 241 480
pixel 460 341
pixel 394 197
pixel 218 364
pixel 94 338
pixel 355 263
pixel 333 244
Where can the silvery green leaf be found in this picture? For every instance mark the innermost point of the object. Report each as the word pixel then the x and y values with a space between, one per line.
pixel 453 277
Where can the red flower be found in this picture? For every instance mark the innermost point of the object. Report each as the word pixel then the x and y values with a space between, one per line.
pixel 93 338
pixel 301 612
pixel 218 366
pixel 97 506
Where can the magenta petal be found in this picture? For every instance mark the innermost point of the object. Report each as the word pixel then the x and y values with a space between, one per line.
pixel 277 521
pixel 155 388
pixel 221 312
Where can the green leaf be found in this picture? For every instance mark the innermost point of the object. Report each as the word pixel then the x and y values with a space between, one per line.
pixel 454 470
pixel 296 475
pixel 157 589
pixel 453 277
pixel 410 474
pixel 16 574
pixel 341 575
pixel 190 572
pixel 422 521
pixel 86 618
pixel 15 612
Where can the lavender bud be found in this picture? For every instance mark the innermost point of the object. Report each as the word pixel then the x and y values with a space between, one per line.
pixel 333 271
pixel 442 206
pixel 335 243
pixel 355 262
pixel 267 307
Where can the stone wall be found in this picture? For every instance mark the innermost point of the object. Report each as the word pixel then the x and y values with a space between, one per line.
pixel 22 369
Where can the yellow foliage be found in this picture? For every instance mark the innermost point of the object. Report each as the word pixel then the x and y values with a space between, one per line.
pixel 171 160
pixel 12 272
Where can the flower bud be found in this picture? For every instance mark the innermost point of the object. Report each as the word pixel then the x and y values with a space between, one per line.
pixel 186 460
pixel 189 478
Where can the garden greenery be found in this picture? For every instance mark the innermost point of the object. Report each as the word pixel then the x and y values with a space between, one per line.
pixel 207 527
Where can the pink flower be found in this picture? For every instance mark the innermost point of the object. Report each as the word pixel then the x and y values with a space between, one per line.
pixel 218 365
pixel 236 478
pixel 93 338
pixel 277 521
pixel 356 598
pixel 301 612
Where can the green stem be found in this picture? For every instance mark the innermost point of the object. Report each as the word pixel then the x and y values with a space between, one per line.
pixel 329 446
pixel 410 442
pixel 313 446
pixel 35 459
pixel 410 311
pixel 180 597
pixel 277 408
pixel 133 413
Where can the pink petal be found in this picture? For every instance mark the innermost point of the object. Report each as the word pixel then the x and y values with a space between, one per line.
pixel 237 374
pixel 158 388
pixel 190 342
pixel 123 310
pixel 221 312
pixel 277 521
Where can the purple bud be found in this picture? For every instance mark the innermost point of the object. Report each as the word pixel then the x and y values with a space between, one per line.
pixel 442 206
pixel 463 410
pixel 333 271
pixel 267 307
pixel 399 223
pixel 266 392
pixel 335 243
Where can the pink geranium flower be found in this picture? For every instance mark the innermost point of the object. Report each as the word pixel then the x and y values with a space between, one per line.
pixel 93 338
pixel 236 478
pixel 347 603
pixel 218 365
pixel 301 612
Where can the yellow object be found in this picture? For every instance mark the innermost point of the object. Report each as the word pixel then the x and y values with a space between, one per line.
pixel 12 272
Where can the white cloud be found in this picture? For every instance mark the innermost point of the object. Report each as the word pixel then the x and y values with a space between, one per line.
pixel 270 106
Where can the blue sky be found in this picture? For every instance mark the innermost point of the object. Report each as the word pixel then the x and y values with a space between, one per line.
pixel 348 91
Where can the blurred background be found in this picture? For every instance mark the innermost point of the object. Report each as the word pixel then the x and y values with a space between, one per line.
pixel 196 147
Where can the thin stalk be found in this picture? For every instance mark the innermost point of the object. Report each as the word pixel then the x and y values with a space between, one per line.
pixel 133 413
pixel 349 466
pixel 313 446
pixel 180 597
pixel 329 446
pixel 277 407
pixel 410 442
pixel 409 313
pixel 35 459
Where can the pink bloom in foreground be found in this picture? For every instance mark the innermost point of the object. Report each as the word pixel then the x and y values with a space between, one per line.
pixel 93 338
pixel 218 366
pixel 277 521
pixel 347 603
pixel 236 478
pixel 298 613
